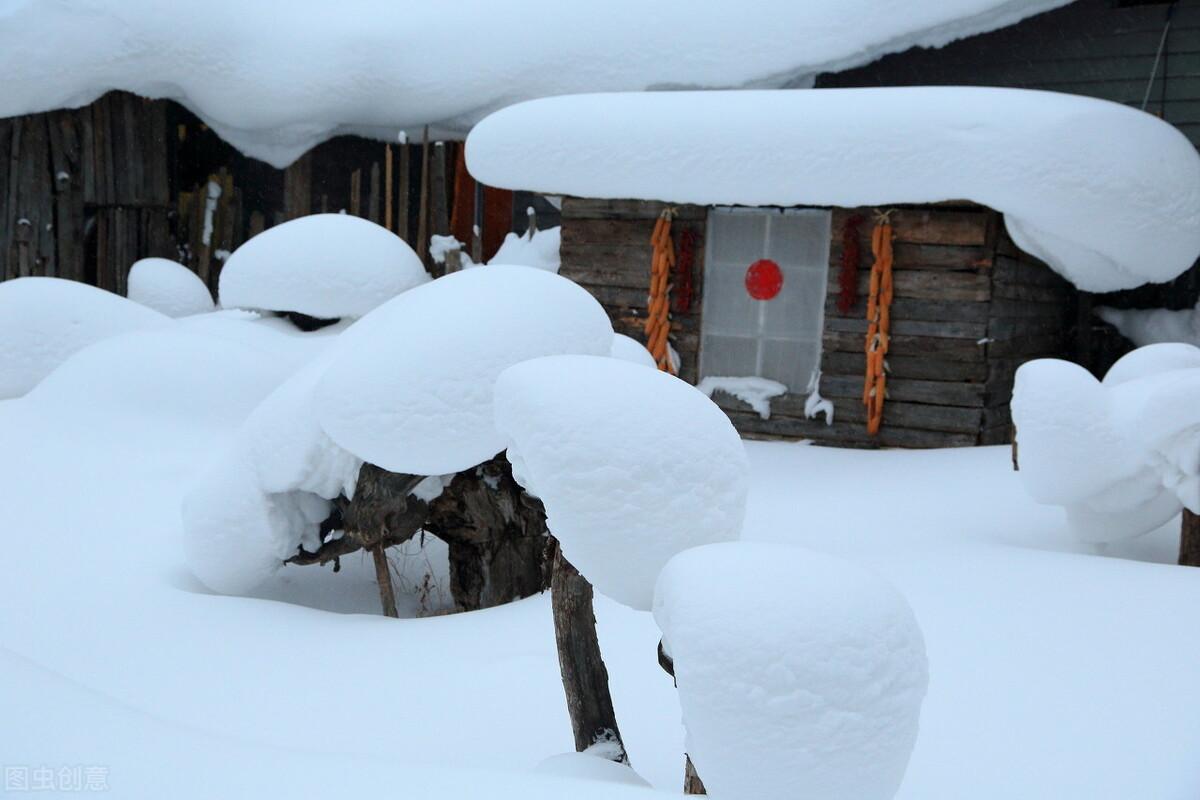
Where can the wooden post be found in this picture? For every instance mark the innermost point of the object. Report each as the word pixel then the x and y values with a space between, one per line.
pixel 373 195
pixel 691 779
pixel 423 207
pixel 297 188
pixel 356 192
pixel 477 226
pixel 1189 540
pixel 387 186
pixel 405 177
pixel 584 676
pixel 383 577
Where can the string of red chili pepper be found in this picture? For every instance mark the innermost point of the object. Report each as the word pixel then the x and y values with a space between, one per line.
pixel 682 290
pixel 848 276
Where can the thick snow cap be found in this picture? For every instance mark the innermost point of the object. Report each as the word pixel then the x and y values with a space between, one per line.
pixel 44 320
pixel 276 79
pixel 325 265
pixel 1121 455
pixel 633 465
pixel 799 674
pixel 1106 195
pixel 410 387
pixel 168 287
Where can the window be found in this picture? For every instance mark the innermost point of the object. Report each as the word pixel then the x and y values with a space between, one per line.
pixel 779 338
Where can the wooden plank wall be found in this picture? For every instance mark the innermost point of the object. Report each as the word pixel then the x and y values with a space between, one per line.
pixel 968 308
pixel 943 260
pixel 606 249
pixel 1098 48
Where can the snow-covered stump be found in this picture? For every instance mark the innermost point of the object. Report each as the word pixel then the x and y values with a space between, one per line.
pixel 496 534
pixel 804 679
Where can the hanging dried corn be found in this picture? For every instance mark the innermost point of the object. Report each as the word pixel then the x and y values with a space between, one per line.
pixel 879 305
pixel 658 321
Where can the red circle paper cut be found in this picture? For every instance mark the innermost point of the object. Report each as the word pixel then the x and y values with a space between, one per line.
pixel 764 279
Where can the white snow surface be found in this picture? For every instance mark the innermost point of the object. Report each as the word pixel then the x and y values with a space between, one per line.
pixel 275 79
pixel 632 464
pixel 1121 455
pixel 540 250
pixel 752 390
pixel 630 349
pixel 1144 326
pixel 410 386
pixel 168 287
pixel 804 677
pixel 43 321
pixel 1044 656
pixel 327 266
pixel 1106 195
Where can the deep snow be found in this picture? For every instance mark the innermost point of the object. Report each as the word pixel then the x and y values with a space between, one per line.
pixel 1107 195
pixel 276 78
pixel 1054 672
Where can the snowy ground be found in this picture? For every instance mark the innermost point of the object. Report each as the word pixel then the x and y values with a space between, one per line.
pixel 1055 672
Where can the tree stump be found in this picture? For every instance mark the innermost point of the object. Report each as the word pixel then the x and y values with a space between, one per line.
pixel 584 676
pixel 496 534
pixel 1189 540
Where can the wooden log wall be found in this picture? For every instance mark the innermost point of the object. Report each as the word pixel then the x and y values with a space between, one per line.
pixel 969 308
pixel 606 249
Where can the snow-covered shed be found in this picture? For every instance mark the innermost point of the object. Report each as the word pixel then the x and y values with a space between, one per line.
pixel 996 202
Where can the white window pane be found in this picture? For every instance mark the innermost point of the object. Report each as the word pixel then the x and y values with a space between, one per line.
pixel 800 239
pixel 789 362
pixel 798 310
pixel 728 356
pixel 728 308
pixel 738 238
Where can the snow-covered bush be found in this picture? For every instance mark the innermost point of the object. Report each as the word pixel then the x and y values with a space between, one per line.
pixel 410 387
pixel 633 465
pixel 539 249
pixel 326 266
pixel 1121 455
pixel 803 676
pixel 168 287
pixel 44 320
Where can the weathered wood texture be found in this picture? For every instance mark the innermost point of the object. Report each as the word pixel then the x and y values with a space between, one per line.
pixel 1189 540
pixel 606 249
pixel 969 308
pixel 584 676
pixel 496 534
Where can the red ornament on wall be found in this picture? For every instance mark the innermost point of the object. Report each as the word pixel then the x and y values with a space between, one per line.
pixel 764 279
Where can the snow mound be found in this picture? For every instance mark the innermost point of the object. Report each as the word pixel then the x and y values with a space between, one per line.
pixel 633 465
pixel 1106 195
pixel 1154 325
pixel 266 495
pixel 592 768
pixel 753 391
pixel 167 373
pixel 802 677
pixel 540 250
pixel 44 320
pixel 168 287
pixel 410 389
pixel 1122 456
pixel 372 67
pixel 327 266
pixel 629 349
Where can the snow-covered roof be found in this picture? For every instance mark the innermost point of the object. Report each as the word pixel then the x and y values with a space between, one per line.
pixel 276 78
pixel 1106 195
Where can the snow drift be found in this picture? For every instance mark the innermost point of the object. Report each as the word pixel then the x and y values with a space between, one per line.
pixel 632 464
pixel 275 79
pixel 44 320
pixel 327 266
pixel 1121 455
pixel 803 676
pixel 1144 326
pixel 168 287
pixel 1106 195
pixel 411 387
